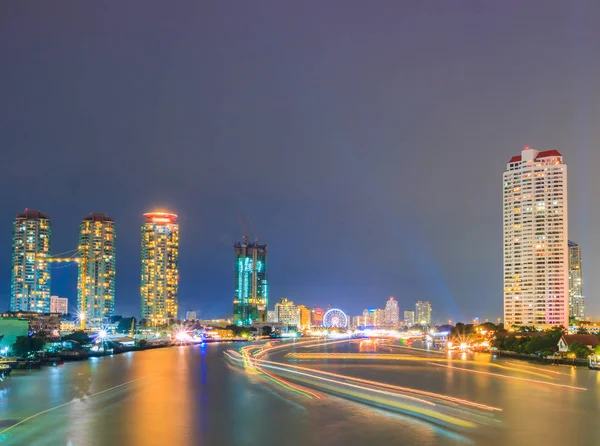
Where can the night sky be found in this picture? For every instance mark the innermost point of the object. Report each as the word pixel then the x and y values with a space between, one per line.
pixel 366 140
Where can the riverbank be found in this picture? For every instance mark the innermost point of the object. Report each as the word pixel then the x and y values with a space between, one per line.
pixel 548 361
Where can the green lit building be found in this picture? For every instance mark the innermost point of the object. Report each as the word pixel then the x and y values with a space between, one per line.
pixel 160 268
pixel 30 278
pixel 96 267
pixel 251 291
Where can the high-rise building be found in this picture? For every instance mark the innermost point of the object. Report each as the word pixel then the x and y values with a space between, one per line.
pixel 251 291
pixel 356 322
pixel 423 313
pixel 576 299
pixel 536 288
pixel 378 318
pixel 367 317
pixel 392 313
pixel 97 267
pixel 190 316
pixel 59 305
pixel 272 316
pixel 409 318
pixel 160 268
pixel 30 281
pixel 304 314
pixel 287 312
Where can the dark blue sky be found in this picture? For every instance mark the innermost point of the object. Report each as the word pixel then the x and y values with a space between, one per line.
pixel 366 140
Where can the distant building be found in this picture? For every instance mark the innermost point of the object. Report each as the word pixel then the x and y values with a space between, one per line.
pixel 379 318
pixel 304 315
pixel 97 247
pixel 535 222
pixel 59 305
pixel 367 317
pixel 423 313
pixel 160 268
pixel 409 318
pixel 250 299
pixel 317 317
pixel 392 313
pixel 576 299
pixel 190 316
pixel 30 281
pixel 356 322
pixel 287 312
pixel 272 316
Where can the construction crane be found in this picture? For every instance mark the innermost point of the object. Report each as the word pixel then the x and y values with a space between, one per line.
pixel 82 261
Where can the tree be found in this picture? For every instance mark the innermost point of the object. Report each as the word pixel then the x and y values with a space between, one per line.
pixel 582 330
pixel 580 350
pixel 79 336
pixel 24 345
pixel 125 324
pixel 267 330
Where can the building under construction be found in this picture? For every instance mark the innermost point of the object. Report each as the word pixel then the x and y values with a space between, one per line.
pixel 251 289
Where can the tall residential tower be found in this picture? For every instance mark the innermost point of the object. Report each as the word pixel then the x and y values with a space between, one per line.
pixel 97 267
pixel 536 288
pixel 576 299
pixel 30 281
pixel 423 313
pixel 392 313
pixel 160 268
pixel 250 283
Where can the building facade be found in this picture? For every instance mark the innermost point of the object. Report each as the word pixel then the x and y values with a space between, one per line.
pixel 304 317
pixel 30 279
pixel 317 317
pixel 576 299
pixel 287 312
pixel 190 316
pixel 96 268
pixel 409 318
pixel 423 313
pixel 59 305
pixel 160 268
pixel 250 283
pixel 536 288
pixel 392 313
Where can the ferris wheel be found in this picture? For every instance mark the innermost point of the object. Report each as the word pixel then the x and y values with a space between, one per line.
pixel 335 318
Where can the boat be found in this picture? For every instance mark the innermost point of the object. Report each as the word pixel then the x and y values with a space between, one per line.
pixel 593 363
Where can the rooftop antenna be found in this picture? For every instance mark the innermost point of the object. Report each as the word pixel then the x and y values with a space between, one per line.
pixel 256 239
pixel 245 237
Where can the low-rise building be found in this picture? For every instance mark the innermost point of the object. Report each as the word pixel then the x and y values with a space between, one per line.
pixel 590 341
pixel 48 323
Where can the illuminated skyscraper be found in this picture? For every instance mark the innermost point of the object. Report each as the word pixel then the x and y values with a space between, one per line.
pixel 30 281
pixel 409 318
pixel 576 299
pixel 423 313
pixel 304 317
pixel 392 313
pixel 536 286
pixel 250 283
pixel 160 268
pixel 97 268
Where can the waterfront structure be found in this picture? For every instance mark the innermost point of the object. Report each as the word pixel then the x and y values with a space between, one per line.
pixel 423 313
pixel 160 268
pixel 59 305
pixel 576 299
pixel 49 323
pixel 190 316
pixel 409 318
pixel 250 283
pixel 96 268
pixel 536 288
pixel 30 279
pixel 392 313
pixel 287 312
pixel 304 315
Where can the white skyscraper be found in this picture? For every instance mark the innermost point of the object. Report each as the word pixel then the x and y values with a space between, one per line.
pixel 392 313
pixel 536 287
pixel 423 313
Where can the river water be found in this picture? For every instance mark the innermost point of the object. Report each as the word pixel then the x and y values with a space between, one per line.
pixel 192 396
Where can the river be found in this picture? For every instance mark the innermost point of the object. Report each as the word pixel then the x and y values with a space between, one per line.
pixel 191 395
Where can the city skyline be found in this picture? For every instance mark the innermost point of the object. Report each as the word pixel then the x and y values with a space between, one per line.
pixel 345 144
